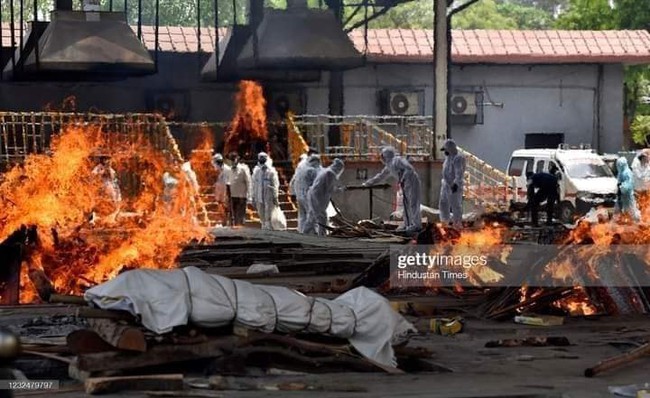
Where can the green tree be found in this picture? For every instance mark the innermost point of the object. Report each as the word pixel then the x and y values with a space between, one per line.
pixel 551 7
pixel 634 14
pixel 588 14
pixel 641 130
pixel 626 14
pixel 483 15
pixel 526 17
pixel 414 15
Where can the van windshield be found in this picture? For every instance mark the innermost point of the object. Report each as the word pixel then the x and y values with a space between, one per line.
pixel 587 168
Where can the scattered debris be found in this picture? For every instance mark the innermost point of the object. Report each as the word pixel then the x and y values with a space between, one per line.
pixel 539 320
pixel 530 342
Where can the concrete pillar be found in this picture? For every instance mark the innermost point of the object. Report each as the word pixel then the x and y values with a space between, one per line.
pixel 440 76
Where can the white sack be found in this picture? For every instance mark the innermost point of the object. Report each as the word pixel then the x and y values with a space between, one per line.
pixel 165 299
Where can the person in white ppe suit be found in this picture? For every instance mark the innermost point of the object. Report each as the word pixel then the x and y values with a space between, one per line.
pixel 409 182
pixel 240 189
pixel 223 179
pixel 641 171
pixel 451 189
pixel 265 189
pixel 319 196
pixel 300 184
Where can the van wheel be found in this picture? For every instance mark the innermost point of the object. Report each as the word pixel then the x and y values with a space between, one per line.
pixel 566 213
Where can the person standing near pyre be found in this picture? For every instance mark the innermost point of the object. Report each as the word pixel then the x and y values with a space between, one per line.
pixel 641 177
pixel 240 184
pixel 266 185
pixel 222 185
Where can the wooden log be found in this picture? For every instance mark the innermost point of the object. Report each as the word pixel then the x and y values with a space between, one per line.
pixel 67 299
pixel 124 337
pixel 549 296
pixel 87 342
pixel 156 355
pixel 619 360
pixel 90 313
pixel 42 284
pixel 48 356
pixel 10 274
pixel 104 385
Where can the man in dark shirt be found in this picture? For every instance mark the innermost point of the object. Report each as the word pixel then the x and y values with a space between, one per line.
pixel 541 187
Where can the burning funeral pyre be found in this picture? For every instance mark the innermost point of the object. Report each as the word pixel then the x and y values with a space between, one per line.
pixel 99 202
pixel 248 130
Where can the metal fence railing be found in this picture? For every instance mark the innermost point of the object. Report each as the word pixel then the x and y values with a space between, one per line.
pixel 25 133
pixel 361 136
pixel 486 186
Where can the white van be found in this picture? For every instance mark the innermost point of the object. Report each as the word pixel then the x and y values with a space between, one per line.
pixel 585 179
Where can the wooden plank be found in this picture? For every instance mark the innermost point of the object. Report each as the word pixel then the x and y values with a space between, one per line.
pixel 124 337
pixel 104 385
pixel 157 355
pixel 87 342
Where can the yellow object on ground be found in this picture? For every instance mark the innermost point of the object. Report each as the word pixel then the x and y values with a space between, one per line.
pixel 446 326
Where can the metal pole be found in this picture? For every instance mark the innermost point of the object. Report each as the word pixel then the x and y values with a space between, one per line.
pixel 110 5
pixel 126 9
pixel 22 22
pixel 370 196
pixel 440 84
pixel 216 38
pixel 140 19
pixel 35 10
pixel 156 33
pixel 234 12
pixel 13 36
pixel 198 25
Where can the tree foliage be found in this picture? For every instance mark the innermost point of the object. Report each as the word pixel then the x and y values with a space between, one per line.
pixel 526 16
pixel 588 14
pixel 483 15
pixel 641 130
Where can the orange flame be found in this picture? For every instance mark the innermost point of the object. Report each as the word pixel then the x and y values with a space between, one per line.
pixel 85 236
pixel 249 122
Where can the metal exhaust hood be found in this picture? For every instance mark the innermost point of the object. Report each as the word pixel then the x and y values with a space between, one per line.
pixel 78 44
pixel 228 69
pixel 299 38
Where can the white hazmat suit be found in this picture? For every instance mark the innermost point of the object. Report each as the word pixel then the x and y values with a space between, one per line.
pixel 265 189
pixel 319 196
pixel 302 181
pixel 451 188
pixel 409 182
pixel 223 178
pixel 641 171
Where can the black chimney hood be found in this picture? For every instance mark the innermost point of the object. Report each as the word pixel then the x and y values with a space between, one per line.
pixel 299 38
pixel 78 44
pixel 228 69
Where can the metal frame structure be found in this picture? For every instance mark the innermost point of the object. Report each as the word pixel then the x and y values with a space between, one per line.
pixel 23 19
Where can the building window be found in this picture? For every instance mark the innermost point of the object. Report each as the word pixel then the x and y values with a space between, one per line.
pixel 518 165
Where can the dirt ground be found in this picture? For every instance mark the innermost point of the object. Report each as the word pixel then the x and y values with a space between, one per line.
pixel 476 371
pixel 479 372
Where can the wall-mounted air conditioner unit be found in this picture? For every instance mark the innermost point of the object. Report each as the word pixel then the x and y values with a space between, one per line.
pixel 404 103
pixel 463 104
